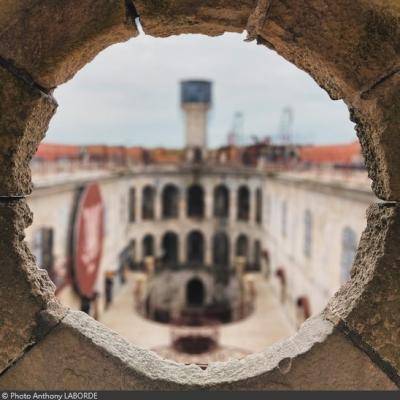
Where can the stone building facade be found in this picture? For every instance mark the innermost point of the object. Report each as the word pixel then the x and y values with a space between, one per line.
pixel 299 233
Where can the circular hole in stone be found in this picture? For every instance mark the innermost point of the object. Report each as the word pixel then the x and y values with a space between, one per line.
pixel 202 253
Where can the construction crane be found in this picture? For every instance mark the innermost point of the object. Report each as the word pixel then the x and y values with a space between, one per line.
pixel 235 136
pixel 286 126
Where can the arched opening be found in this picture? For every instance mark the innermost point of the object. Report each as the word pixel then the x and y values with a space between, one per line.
pixel 284 219
pixel 43 249
pixel 267 263
pixel 148 202
pixel 221 202
pixel 170 201
pixel 243 210
pixel 259 206
pixel 308 227
pixel 349 249
pixel 195 293
pixel 221 249
pixel 303 309
pixel 148 246
pixel 242 247
pixel 257 256
pixel 195 248
pixel 195 201
pixel 132 205
pixel 170 248
pixel 281 275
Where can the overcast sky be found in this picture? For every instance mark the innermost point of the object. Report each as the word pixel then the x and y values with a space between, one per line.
pixel 129 94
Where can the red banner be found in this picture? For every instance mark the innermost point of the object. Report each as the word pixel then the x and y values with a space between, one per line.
pixel 88 240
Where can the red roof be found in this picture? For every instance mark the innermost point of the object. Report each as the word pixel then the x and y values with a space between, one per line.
pixel 163 155
pixel 331 154
pixel 51 152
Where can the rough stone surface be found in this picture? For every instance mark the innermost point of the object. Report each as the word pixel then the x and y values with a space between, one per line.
pixel 211 17
pixel 357 44
pixel 377 114
pixel 51 40
pixel 25 112
pixel 82 354
pixel 369 304
pixel 25 291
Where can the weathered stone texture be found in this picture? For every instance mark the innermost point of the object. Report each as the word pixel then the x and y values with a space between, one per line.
pixel 82 354
pixel 52 40
pixel 357 44
pixel 346 46
pixel 369 303
pixel 25 291
pixel 25 112
pixel 171 17
pixel 377 114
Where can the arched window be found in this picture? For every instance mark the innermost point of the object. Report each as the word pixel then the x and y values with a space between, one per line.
pixel 268 207
pixel 43 249
pixel 257 255
pixel 281 275
pixel 349 249
pixel 303 308
pixel 195 292
pixel 221 201
pixel 284 220
pixel 170 201
pixel 148 246
pixel 195 201
pixel 308 227
pixel 243 210
pixel 132 205
pixel 195 247
pixel 267 263
pixel 148 199
pixel 170 248
pixel 242 247
pixel 221 249
pixel 259 206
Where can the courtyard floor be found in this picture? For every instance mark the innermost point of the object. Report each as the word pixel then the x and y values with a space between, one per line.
pixel 265 326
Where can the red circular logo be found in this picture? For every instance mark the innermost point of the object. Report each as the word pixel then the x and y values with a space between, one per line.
pixel 88 240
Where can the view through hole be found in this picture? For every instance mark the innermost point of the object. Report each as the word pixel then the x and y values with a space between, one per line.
pixel 201 238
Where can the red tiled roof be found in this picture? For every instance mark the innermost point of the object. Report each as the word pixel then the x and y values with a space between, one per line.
pixel 162 155
pixel 331 154
pixel 51 152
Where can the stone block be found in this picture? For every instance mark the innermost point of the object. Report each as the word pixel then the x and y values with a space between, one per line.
pixel 172 17
pixel 80 353
pixel 369 303
pixel 377 114
pixel 27 302
pixel 52 40
pixel 25 112
pixel 356 45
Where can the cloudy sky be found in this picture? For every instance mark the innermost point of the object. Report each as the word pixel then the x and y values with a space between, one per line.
pixel 129 94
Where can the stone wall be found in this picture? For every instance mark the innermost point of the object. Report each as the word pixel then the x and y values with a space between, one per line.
pixel 317 274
